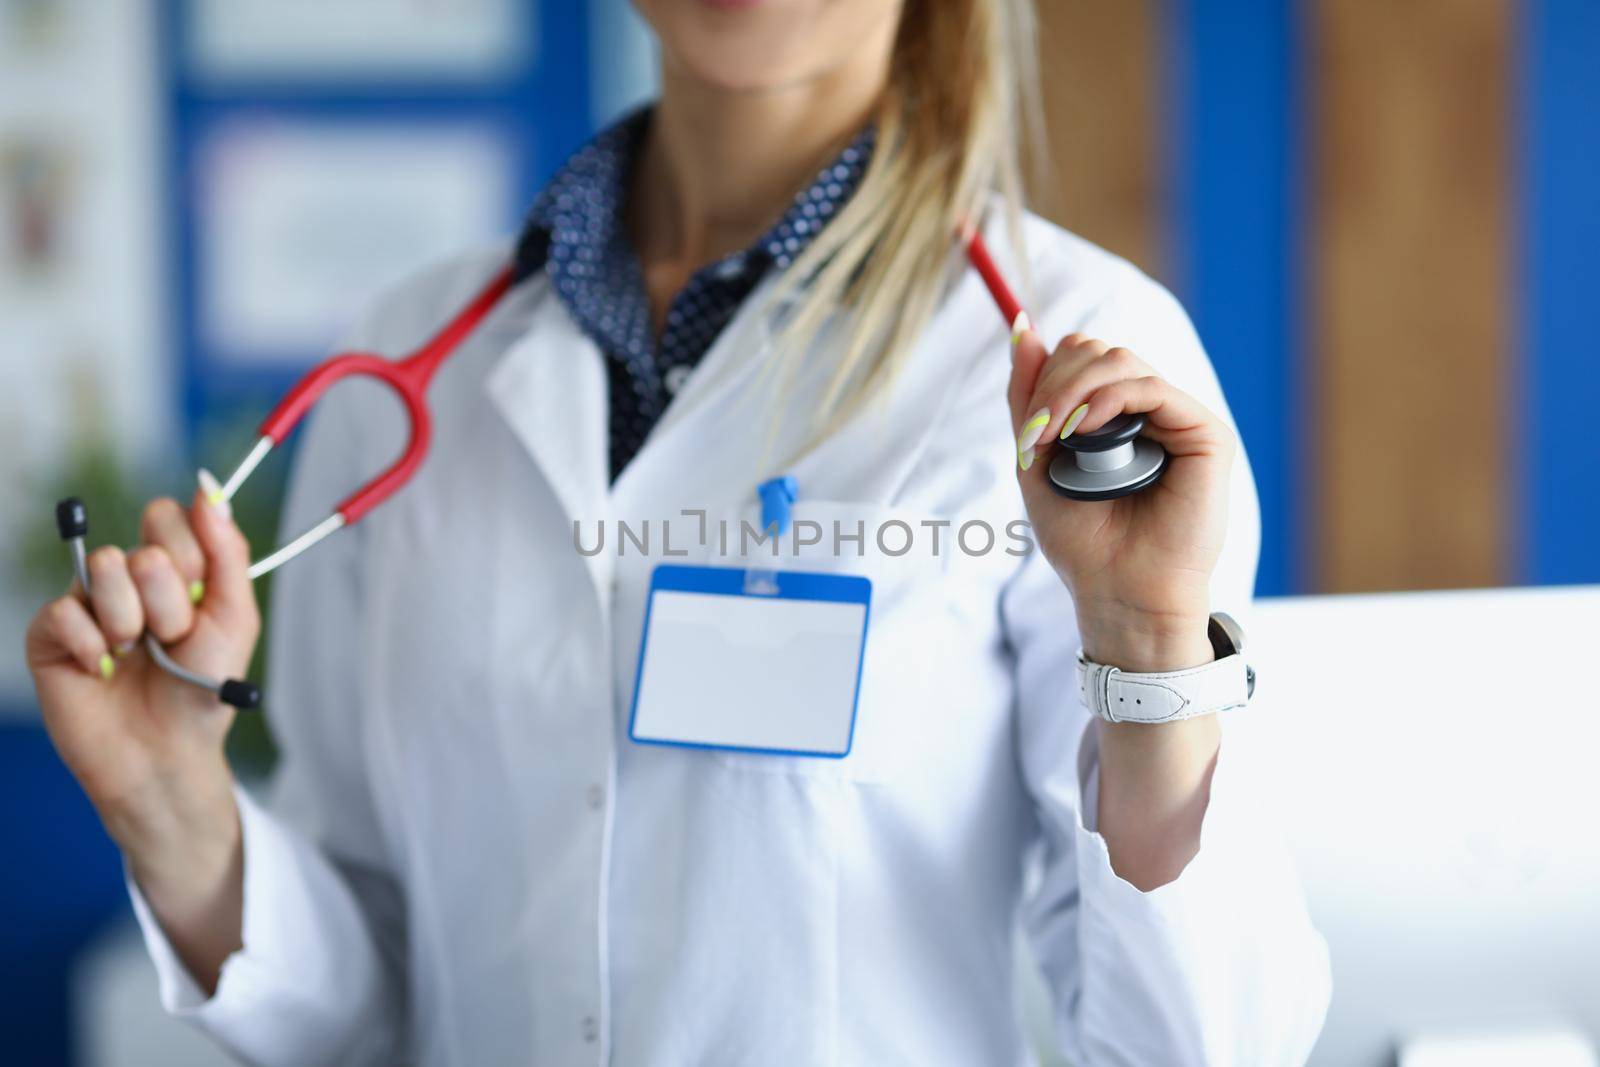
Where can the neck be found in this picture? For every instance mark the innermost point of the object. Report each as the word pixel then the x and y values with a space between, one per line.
pixel 718 166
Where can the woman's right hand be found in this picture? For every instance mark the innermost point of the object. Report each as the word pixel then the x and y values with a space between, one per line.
pixel 146 747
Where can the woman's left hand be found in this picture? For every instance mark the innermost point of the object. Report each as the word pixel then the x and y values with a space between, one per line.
pixel 1139 566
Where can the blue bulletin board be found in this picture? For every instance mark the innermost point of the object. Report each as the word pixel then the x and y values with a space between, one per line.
pixel 531 106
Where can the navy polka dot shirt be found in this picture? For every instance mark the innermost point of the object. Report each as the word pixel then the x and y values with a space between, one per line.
pixel 575 231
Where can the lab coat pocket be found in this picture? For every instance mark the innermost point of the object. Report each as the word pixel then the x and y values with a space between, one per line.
pixel 904 554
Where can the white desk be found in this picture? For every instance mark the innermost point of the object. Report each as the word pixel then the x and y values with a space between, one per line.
pixel 1436 762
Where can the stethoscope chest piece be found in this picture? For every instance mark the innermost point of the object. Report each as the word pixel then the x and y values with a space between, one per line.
pixel 1112 461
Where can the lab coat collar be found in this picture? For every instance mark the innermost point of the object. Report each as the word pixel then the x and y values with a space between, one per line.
pixel 550 387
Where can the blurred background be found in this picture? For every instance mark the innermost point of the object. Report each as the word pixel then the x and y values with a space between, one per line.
pixel 1382 217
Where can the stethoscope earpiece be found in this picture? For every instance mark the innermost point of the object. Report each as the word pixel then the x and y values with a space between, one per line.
pixel 72 523
pixel 72 519
pixel 246 696
pixel 1112 461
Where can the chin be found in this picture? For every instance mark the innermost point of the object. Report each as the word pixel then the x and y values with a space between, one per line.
pixel 756 45
pixel 747 76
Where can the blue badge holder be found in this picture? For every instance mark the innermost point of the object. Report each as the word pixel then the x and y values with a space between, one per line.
pixel 775 671
pixel 752 659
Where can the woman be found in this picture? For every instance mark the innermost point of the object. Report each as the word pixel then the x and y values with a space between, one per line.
pixel 469 861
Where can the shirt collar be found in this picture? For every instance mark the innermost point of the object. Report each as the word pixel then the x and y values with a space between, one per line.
pixel 575 227
pixel 575 232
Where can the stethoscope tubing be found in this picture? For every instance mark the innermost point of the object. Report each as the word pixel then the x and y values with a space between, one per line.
pixel 409 379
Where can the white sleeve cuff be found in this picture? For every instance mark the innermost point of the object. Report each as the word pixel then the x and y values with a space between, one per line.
pixel 1220 960
pixel 1089 779
pixel 266 857
pixel 179 991
pixel 307 983
pixel 1217 829
pixel 285 904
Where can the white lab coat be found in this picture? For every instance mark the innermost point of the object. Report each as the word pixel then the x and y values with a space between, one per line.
pixel 467 861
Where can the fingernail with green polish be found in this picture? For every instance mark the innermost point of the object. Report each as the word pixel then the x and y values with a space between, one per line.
pixel 1072 420
pixel 1033 429
pixel 1025 458
pixel 197 591
pixel 108 666
pixel 1019 326
pixel 213 493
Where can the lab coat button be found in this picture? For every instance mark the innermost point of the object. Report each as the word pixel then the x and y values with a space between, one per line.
pixel 591 1029
pixel 597 797
pixel 675 378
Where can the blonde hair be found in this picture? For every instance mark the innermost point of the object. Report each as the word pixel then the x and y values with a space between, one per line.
pixel 962 84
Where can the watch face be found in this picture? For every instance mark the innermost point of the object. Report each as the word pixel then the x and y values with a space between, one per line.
pixel 1227 636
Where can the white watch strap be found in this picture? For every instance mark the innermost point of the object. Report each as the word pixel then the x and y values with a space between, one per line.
pixel 1118 696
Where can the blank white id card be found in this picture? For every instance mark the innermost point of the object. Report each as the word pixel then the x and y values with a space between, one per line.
pixel 776 672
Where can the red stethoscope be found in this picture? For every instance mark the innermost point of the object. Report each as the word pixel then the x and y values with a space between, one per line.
pixel 1094 468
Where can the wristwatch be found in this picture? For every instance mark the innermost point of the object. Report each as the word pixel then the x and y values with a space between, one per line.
pixel 1122 696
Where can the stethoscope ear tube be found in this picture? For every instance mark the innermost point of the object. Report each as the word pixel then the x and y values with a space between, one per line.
pixel 72 523
pixel 409 379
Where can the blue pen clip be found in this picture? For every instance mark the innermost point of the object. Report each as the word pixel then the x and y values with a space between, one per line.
pixel 777 503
